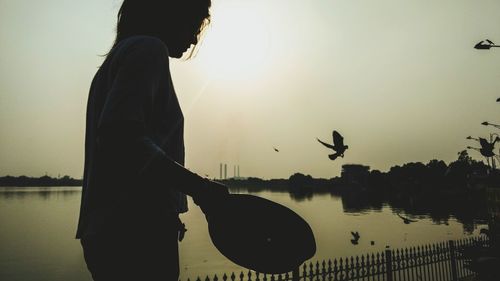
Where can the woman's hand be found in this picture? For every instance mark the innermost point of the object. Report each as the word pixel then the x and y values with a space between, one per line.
pixel 210 196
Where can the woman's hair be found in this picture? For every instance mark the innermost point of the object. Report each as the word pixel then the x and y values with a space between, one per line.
pixel 159 17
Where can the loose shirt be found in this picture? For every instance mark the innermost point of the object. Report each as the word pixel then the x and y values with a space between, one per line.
pixel 133 116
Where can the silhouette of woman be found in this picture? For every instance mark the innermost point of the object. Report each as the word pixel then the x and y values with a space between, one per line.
pixel 134 182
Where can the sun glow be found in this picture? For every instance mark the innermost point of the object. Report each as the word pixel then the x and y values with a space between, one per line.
pixel 236 45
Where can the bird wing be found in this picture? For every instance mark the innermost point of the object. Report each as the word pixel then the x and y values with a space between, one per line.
pixel 400 216
pixel 326 144
pixel 484 143
pixel 489 41
pixel 338 140
pixel 405 218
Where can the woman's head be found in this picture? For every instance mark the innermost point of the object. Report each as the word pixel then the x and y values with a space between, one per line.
pixel 178 23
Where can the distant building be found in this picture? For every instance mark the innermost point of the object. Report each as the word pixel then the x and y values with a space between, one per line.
pixel 355 174
pixel 223 172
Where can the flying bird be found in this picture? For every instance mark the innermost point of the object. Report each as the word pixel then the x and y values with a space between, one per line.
pixel 487 148
pixel 482 46
pixel 485 45
pixel 355 238
pixel 498 100
pixel 406 220
pixel 275 149
pixel 338 146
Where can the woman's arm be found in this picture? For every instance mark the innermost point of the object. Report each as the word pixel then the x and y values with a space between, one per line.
pixel 122 125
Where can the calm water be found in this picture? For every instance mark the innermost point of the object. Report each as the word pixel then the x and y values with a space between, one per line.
pixel 37 226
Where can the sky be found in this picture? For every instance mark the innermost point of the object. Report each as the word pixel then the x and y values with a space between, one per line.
pixel 400 80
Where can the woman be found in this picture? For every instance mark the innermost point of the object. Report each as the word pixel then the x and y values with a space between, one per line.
pixel 134 180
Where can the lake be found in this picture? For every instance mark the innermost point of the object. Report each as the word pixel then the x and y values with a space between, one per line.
pixel 37 229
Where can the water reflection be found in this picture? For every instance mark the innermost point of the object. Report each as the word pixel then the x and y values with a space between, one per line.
pixel 45 193
pixel 467 208
pixel 49 215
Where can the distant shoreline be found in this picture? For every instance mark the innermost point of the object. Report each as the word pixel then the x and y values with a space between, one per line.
pixel 44 181
pixel 411 179
pixel 38 186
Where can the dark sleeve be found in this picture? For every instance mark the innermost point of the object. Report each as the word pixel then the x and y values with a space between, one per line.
pixel 122 136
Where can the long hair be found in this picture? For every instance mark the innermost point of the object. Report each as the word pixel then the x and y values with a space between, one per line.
pixel 159 17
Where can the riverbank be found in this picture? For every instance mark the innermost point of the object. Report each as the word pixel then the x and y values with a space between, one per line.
pixel 44 181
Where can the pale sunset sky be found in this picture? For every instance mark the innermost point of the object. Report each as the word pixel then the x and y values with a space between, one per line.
pixel 399 79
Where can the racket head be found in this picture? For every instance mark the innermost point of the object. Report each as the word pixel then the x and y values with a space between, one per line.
pixel 260 234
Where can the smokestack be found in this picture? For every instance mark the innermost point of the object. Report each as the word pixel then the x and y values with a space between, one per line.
pixel 225 171
pixel 234 171
pixel 220 171
pixel 238 171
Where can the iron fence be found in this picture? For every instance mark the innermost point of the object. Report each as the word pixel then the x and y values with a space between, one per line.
pixel 443 261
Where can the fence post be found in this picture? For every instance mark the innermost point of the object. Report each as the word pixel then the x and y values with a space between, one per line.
pixel 388 263
pixel 296 274
pixel 453 261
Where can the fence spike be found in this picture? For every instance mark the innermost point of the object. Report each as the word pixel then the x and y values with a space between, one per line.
pixel 329 267
pixel 357 267
pixel 368 266
pixel 351 268
pixel 363 265
pixel 317 269
pixel 415 255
